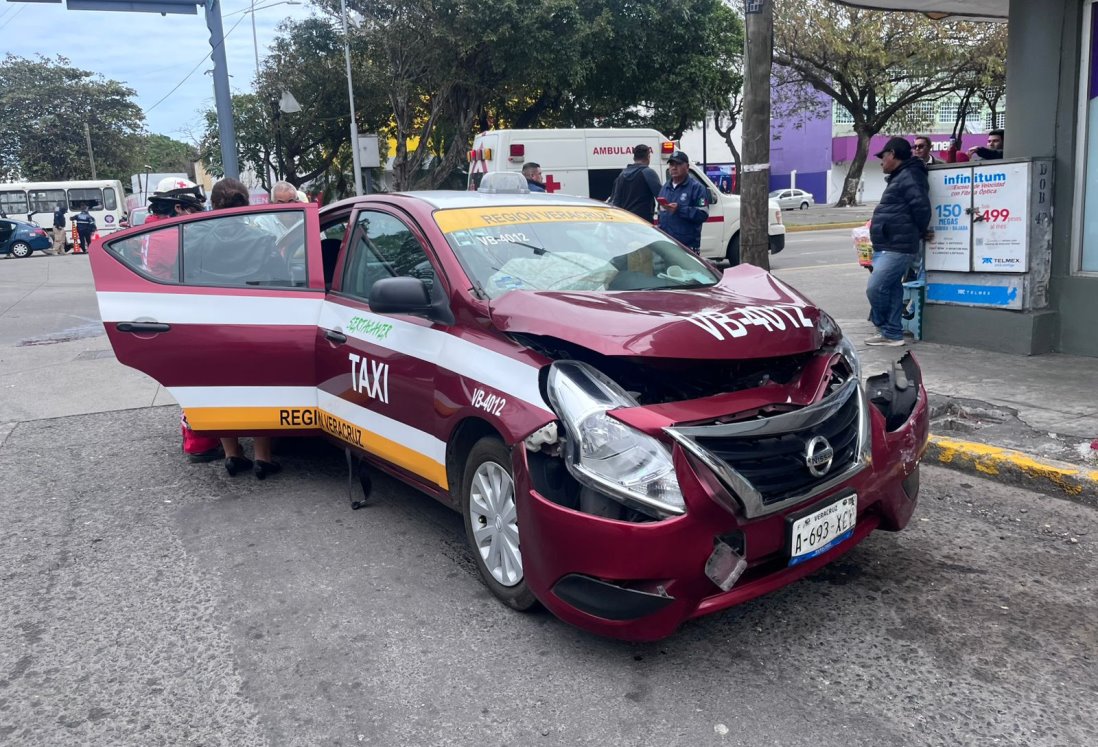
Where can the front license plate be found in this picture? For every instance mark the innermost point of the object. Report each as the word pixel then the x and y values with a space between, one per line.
pixel 822 529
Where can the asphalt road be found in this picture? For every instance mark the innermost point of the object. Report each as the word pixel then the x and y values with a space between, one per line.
pixel 823 266
pixel 147 601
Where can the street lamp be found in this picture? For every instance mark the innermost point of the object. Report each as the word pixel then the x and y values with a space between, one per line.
pixel 355 158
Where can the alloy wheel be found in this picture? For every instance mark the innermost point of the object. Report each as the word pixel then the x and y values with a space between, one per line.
pixel 494 522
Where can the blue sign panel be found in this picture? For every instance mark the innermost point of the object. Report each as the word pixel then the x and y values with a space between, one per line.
pixel 972 295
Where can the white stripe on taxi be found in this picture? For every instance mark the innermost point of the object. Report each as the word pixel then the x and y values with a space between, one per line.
pixel 244 396
pixel 503 373
pixel 201 308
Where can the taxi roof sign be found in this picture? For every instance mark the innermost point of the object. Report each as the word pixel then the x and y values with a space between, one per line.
pixel 503 182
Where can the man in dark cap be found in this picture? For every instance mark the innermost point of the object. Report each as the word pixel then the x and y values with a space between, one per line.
pixel 899 224
pixel 683 204
pixel 636 187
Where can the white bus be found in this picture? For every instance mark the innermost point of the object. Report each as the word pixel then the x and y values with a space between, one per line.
pixel 36 201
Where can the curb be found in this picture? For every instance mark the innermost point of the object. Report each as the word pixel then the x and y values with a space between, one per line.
pixel 823 226
pixel 1077 483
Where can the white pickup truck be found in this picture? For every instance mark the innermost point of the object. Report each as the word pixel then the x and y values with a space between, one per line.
pixel 585 163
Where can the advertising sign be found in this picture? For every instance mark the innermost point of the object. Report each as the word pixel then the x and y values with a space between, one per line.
pixel 950 199
pixel 1000 200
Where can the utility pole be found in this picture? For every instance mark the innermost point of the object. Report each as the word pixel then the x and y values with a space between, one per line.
pixel 222 99
pixel 91 156
pixel 355 157
pixel 755 180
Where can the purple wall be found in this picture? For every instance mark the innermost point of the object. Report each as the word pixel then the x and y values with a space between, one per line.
pixel 802 142
pixel 810 181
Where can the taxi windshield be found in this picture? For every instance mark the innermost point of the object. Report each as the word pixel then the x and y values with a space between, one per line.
pixel 568 248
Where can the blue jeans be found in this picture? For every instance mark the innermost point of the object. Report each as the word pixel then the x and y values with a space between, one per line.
pixel 885 292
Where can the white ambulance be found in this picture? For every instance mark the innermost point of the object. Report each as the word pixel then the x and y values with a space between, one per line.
pixel 585 163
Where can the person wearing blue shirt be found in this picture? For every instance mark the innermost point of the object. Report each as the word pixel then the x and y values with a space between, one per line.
pixel 684 206
pixel 85 227
pixel 532 172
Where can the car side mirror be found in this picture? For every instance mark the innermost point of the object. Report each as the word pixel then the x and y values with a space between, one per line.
pixel 405 295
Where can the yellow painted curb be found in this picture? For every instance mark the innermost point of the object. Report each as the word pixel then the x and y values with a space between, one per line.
pixel 997 462
pixel 822 226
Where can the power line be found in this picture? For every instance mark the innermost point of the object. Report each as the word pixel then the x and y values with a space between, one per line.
pixel 188 75
pixel 21 9
pixel 260 7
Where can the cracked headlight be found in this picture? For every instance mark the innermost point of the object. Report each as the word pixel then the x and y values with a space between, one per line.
pixel 832 336
pixel 605 454
pixel 850 353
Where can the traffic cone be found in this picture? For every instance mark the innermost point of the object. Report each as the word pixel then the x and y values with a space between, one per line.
pixel 75 239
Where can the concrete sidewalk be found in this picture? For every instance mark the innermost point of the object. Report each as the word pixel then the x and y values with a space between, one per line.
pixel 1028 421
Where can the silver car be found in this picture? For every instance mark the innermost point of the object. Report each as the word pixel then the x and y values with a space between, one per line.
pixel 793 198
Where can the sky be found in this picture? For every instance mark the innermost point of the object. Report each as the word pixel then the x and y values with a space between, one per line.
pixel 149 52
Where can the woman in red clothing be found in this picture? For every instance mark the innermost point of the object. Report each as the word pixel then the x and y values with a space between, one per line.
pixel 173 198
pixel 159 256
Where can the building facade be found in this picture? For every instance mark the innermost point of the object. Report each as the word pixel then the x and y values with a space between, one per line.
pixel 1052 84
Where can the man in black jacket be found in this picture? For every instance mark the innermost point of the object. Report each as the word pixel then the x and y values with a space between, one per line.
pixel 636 187
pixel 899 224
pixel 59 229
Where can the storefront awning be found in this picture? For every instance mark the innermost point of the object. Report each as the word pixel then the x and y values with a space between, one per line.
pixel 976 10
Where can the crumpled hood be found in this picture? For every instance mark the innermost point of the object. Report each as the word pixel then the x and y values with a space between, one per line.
pixel 749 314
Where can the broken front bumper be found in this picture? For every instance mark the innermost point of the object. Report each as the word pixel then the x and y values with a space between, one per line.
pixel 640 581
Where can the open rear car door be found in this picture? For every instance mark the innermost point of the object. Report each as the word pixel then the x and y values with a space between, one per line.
pixel 221 309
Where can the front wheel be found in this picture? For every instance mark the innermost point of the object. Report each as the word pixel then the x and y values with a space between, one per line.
pixel 733 253
pixel 21 249
pixel 491 522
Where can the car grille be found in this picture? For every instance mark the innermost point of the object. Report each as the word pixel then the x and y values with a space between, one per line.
pixel 775 465
pixel 763 461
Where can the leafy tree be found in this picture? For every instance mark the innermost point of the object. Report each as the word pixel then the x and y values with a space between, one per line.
pixel 631 64
pixel 876 65
pixel 450 67
pixel 44 105
pixel 725 120
pixel 164 155
pixel 437 61
pixel 306 60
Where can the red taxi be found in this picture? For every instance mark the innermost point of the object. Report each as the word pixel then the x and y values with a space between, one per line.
pixel 633 438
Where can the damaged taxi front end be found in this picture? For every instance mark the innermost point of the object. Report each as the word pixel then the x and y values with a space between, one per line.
pixel 712 445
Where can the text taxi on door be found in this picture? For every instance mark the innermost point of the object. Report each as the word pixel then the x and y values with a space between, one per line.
pixel 633 438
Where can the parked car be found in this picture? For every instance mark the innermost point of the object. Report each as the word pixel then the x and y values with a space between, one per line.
pixel 20 238
pixel 790 199
pixel 633 438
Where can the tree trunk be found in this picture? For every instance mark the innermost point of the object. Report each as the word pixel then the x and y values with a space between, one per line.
pixel 738 161
pixel 755 179
pixel 849 194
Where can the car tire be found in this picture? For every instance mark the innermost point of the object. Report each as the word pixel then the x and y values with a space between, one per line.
pixel 733 253
pixel 491 522
pixel 21 249
pixel 804 206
